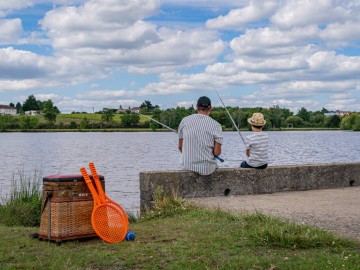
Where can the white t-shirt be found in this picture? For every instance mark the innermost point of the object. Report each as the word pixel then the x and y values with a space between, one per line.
pixel 258 143
pixel 199 132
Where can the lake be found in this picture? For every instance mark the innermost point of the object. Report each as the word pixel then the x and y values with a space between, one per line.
pixel 120 156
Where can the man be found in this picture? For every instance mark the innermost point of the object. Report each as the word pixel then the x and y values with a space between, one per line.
pixel 200 139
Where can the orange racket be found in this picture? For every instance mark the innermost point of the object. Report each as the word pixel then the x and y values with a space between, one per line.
pixel 107 221
pixel 103 195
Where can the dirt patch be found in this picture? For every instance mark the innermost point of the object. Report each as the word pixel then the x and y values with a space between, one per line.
pixel 336 210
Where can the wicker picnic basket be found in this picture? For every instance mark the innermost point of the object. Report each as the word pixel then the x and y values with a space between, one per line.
pixel 67 208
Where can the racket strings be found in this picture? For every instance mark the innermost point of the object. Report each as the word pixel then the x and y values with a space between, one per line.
pixel 109 224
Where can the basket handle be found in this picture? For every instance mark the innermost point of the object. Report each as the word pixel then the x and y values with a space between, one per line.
pixel 48 196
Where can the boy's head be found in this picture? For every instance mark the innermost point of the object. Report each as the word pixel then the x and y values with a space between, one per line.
pixel 257 120
pixel 203 104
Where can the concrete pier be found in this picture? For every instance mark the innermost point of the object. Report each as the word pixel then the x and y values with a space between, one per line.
pixel 239 181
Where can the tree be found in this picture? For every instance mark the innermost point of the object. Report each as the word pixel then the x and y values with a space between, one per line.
pixel 107 115
pixel 50 111
pixel 19 108
pixel 146 106
pixel 12 105
pixel 130 119
pixel 29 122
pixel 324 110
pixel 334 121
pixel 275 116
pixel 351 122
pixel 356 125
pixel 84 123
pixel 239 117
pixel 317 118
pixel 304 114
pixel 295 121
pixel 31 104
pixel 222 117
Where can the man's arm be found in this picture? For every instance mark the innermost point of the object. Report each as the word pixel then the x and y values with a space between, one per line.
pixel 217 149
pixel 180 145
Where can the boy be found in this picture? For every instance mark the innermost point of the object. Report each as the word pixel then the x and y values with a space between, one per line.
pixel 256 144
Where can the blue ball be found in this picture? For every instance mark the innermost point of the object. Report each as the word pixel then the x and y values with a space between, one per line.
pixel 130 236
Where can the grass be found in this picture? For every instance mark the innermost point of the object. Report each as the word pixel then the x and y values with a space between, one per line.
pixel 192 239
pixel 68 118
pixel 178 235
pixel 24 205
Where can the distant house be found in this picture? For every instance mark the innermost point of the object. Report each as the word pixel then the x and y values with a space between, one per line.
pixel 338 113
pixel 33 112
pixel 133 110
pixel 5 109
pixel 343 113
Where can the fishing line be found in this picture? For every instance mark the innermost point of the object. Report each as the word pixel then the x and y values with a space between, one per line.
pixel 173 130
pixel 232 120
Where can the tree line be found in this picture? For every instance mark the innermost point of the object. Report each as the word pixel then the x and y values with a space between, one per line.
pixel 47 108
pixel 276 117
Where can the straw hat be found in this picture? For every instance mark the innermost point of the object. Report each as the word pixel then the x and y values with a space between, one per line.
pixel 257 120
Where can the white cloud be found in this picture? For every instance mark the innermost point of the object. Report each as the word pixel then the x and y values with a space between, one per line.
pixel 115 35
pixel 177 50
pixel 69 104
pixel 272 41
pixel 45 97
pixel 8 6
pixel 296 13
pixel 237 18
pixel 23 85
pixel 185 104
pixel 10 31
pixel 17 64
pixel 105 94
pixel 342 34
pixel 288 51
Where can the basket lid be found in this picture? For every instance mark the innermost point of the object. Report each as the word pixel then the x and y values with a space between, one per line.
pixel 67 178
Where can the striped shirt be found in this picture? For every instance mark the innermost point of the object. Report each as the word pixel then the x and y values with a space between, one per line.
pixel 258 143
pixel 199 133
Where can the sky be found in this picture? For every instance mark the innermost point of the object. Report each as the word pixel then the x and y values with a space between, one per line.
pixel 94 54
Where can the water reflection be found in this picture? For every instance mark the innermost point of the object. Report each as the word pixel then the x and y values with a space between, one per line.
pixel 121 156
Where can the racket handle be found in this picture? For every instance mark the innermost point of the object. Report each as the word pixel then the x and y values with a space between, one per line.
pixel 97 181
pixel 219 158
pixel 90 185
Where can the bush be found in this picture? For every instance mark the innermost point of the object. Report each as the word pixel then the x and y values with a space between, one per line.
pixel 168 204
pixel 351 122
pixel 24 206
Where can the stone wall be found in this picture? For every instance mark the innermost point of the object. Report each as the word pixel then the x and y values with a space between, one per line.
pixel 239 181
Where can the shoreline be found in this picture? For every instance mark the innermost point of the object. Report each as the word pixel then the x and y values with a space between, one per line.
pixel 150 130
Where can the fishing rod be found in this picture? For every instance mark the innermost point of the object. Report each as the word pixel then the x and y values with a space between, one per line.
pixel 173 130
pixel 165 126
pixel 232 120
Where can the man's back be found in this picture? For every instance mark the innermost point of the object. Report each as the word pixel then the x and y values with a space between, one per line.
pixel 199 132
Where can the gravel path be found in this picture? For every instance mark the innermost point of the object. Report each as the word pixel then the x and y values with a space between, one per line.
pixel 336 210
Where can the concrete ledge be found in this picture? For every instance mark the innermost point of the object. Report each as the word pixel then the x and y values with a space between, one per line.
pixel 239 181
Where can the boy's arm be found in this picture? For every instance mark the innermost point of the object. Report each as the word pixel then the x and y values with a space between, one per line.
pixel 248 152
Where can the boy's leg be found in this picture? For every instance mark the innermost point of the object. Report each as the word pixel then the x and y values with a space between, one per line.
pixel 244 164
pixel 262 166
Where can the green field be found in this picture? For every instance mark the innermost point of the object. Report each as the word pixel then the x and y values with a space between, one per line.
pixel 68 118
pixel 192 239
